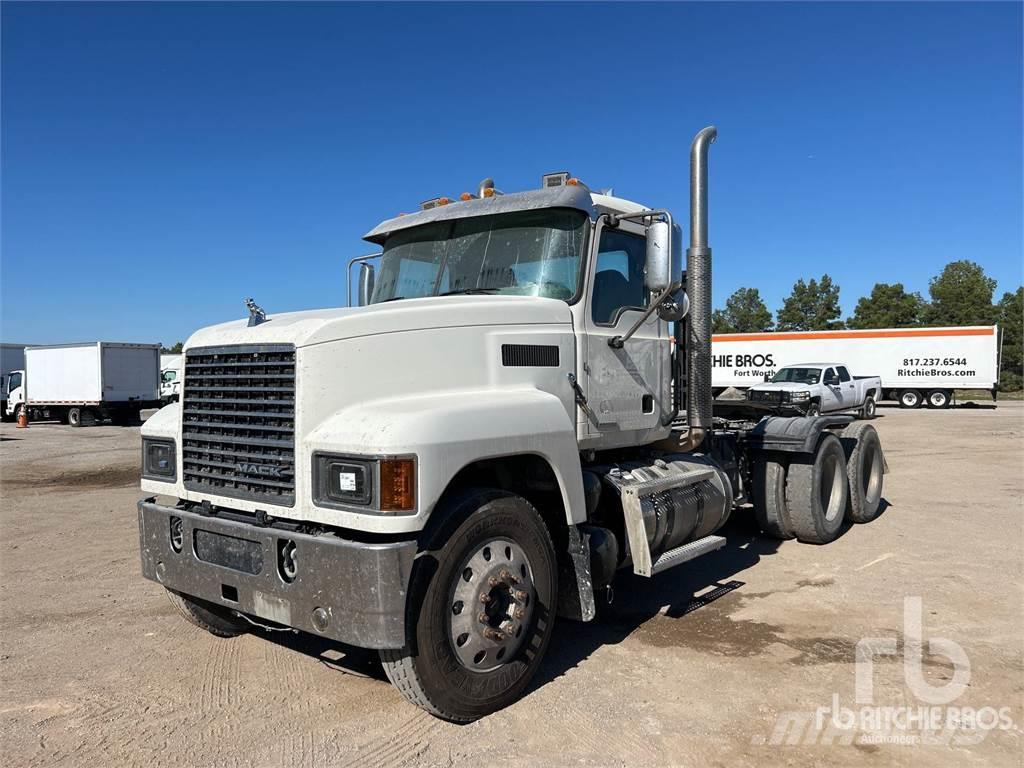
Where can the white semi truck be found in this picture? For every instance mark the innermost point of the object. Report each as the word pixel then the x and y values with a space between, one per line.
pixel 82 383
pixel 12 358
pixel 916 365
pixel 502 424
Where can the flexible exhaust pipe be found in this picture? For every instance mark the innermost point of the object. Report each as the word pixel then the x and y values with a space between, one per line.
pixel 699 402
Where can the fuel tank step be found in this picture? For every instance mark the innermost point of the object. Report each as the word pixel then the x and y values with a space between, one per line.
pixel 686 553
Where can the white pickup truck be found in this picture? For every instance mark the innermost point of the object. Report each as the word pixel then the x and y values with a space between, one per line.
pixel 822 387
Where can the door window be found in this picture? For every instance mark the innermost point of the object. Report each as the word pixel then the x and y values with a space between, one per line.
pixel 619 275
pixel 15 382
pixel 830 375
pixel 844 375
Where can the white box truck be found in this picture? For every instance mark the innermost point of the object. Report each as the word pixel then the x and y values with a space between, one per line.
pixel 80 383
pixel 12 358
pixel 916 365
pixel 170 378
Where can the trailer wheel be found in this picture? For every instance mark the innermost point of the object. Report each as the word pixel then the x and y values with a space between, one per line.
pixel 910 398
pixel 869 409
pixel 769 497
pixel 482 607
pixel 938 398
pixel 74 417
pixel 215 619
pixel 816 493
pixel 864 471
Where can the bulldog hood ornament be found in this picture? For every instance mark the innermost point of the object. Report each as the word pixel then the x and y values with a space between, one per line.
pixel 256 313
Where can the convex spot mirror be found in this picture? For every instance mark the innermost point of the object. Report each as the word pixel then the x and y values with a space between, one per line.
pixel 659 256
pixel 674 307
pixel 366 279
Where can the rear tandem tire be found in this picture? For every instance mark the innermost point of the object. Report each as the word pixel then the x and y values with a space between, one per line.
pixel 436 670
pixel 910 398
pixel 816 493
pixel 769 497
pixel 213 618
pixel 938 398
pixel 74 416
pixel 864 472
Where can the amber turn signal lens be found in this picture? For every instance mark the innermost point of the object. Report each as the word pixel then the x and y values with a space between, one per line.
pixel 398 485
pixel 489 192
pixel 572 182
pixel 443 201
pixel 465 196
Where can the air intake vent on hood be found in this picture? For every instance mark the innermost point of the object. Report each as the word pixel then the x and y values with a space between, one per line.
pixel 530 355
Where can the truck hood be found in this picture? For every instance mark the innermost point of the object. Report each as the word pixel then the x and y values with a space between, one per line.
pixel 787 386
pixel 321 325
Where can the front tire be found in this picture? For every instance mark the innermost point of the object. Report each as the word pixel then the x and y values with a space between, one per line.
pixel 813 410
pixel 483 607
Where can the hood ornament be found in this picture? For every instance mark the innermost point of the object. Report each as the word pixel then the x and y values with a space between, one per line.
pixel 256 313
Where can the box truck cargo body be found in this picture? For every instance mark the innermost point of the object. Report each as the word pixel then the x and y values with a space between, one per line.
pixel 83 382
pixel 916 365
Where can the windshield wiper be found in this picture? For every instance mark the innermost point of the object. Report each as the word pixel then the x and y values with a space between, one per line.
pixel 469 291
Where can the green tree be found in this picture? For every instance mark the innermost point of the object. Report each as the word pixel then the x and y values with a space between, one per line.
pixel 961 295
pixel 745 312
pixel 888 306
pixel 812 306
pixel 1010 316
pixel 175 350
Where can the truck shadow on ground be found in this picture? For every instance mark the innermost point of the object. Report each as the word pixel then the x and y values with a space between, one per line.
pixel 679 608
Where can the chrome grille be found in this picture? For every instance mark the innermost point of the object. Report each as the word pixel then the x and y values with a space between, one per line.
pixel 238 422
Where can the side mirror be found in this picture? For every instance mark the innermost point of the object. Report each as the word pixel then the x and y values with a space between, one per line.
pixel 366 279
pixel 832 381
pixel 674 307
pixel 659 256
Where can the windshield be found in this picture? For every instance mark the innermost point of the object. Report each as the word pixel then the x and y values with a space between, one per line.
pixel 527 253
pixel 798 375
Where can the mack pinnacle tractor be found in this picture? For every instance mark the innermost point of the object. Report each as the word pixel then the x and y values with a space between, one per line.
pixel 519 407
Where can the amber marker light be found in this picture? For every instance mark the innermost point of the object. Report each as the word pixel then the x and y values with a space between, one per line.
pixel 398 485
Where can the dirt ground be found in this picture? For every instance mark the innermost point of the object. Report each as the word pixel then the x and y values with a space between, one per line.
pixel 723 661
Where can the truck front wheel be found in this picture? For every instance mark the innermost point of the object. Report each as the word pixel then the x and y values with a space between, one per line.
pixel 483 607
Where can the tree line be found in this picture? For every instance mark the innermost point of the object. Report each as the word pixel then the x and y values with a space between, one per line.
pixel 962 294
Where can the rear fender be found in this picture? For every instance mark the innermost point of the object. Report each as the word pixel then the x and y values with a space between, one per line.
pixel 792 434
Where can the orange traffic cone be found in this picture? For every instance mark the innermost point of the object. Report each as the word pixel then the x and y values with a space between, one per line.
pixel 22 417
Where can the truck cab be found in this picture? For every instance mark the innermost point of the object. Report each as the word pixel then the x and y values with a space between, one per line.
pixel 519 407
pixel 14 392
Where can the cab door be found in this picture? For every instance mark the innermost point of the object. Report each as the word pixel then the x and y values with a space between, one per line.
pixel 832 394
pixel 627 388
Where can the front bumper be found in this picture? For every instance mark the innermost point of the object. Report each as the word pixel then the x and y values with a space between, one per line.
pixel 361 587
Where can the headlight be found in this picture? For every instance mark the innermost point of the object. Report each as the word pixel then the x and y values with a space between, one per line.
pixel 385 485
pixel 799 396
pixel 158 460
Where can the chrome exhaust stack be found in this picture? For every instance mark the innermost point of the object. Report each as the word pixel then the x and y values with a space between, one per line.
pixel 699 402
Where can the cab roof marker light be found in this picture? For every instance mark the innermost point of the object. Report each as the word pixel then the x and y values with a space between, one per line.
pixel 555 179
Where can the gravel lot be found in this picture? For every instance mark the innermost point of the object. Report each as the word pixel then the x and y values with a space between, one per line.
pixel 97 669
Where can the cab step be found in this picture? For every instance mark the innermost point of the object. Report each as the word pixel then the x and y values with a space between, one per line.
pixel 686 552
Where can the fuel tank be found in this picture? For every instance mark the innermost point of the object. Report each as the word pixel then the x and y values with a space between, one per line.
pixel 683 497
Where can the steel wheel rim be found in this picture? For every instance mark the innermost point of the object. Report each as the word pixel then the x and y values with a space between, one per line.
pixel 938 399
pixel 490 605
pixel 909 398
pixel 831 487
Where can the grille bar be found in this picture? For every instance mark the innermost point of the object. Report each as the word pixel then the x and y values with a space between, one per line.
pixel 238 422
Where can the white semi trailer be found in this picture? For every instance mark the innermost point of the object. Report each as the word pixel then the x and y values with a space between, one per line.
pixel 502 424
pixel 12 358
pixel 916 365
pixel 81 383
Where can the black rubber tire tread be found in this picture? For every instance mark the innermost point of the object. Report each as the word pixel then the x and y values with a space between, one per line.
pixel 813 410
pixel 214 619
pixel 74 416
pixel 855 439
pixel 803 500
pixel 867 412
pixel 769 496
pixel 419 671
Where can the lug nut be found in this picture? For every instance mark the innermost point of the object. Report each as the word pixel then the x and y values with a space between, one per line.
pixel 481 617
pixel 519 613
pixel 520 595
pixel 493 581
pixel 485 598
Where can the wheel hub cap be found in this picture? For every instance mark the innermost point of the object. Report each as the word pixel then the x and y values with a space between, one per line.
pixel 492 602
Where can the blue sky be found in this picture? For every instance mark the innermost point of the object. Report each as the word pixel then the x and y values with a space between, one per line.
pixel 162 162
